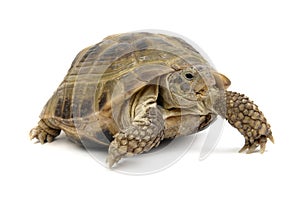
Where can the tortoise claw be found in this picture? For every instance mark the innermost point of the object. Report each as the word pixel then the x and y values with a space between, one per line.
pixel 49 138
pixel 33 133
pixel 115 153
pixel 244 148
pixel 252 148
pixel 271 138
pixel 42 137
pixel 110 160
pixel 262 148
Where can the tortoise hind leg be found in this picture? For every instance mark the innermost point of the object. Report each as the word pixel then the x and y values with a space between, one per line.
pixel 44 131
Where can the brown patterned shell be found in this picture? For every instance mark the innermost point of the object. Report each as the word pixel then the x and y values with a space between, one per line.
pixel 120 64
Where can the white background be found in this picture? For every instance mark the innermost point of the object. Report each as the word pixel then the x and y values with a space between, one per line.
pixel 255 43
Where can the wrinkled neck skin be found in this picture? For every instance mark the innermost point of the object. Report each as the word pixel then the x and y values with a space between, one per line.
pixel 216 101
pixel 173 101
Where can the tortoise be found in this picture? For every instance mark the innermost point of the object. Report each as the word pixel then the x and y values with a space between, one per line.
pixel 133 90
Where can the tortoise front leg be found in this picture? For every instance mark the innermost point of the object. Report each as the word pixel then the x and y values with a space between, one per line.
pixel 142 136
pixel 145 129
pixel 244 115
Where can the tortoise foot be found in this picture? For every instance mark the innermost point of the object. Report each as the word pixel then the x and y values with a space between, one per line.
pixel 43 133
pixel 251 145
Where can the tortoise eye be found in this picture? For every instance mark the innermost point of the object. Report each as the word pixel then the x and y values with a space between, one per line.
pixel 189 76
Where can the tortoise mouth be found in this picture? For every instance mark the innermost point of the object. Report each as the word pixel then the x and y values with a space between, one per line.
pixel 202 91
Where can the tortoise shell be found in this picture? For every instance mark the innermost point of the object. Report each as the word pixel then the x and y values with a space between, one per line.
pixel 105 75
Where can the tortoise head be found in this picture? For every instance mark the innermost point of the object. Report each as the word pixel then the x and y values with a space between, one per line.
pixel 190 87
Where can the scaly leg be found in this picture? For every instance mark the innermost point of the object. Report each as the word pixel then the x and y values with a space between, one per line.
pixel 245 116
pixel 138 138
